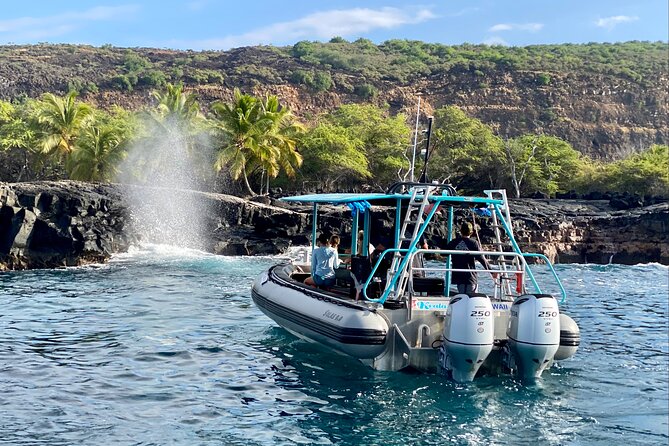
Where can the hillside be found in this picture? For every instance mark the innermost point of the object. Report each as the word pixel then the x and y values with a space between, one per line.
pixel 607 100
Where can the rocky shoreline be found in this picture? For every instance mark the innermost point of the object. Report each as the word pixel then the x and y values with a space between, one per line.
pixel 68 223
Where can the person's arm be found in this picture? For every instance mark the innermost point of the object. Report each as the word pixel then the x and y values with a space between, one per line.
pixel 313 261
pixel 481 258
pixel 336 259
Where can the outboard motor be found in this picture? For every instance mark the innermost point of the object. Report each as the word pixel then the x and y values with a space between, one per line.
pixel 570 338
pixel 533 333
pixel 468 335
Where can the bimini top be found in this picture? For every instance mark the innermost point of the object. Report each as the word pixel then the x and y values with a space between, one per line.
pixel 340 198
pixel 385 199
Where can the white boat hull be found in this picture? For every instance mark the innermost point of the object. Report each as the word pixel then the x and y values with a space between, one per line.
pixel 345 326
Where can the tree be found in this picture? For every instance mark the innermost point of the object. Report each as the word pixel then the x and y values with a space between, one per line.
pixel 176 108
pixel 17 137
pixel 15 130
pixel 173 142
pixel 102 146
pixel 541 163
pixel 60 119
pixel 385 139
pixel 645 173
pixel 465 151
pixel 333 155
pixel 97 155
pixel 255 135
pixel 522 163
pixel 281 131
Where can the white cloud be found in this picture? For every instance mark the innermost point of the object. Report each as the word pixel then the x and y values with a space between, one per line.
pixel 31 28
pixel 611 22
pixel 495 40
pixel 319 25
pixel 530 27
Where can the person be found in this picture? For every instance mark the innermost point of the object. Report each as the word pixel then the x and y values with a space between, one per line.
pixel 466 281
pixel 384 265
pixel 361 238
pixel 324 260
pixel 418 261
pixel 334 242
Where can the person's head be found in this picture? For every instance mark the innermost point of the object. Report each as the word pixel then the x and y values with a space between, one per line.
pixel 334 241
pixel 323 239
pixel 422 243
pixel 466 229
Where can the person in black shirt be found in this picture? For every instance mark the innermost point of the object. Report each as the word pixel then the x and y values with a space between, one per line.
pixel 466 281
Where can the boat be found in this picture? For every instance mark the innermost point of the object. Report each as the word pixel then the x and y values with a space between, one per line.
pixel 408 317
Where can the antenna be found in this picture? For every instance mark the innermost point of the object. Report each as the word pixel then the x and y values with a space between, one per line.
pixel 415 142
pixel 423 175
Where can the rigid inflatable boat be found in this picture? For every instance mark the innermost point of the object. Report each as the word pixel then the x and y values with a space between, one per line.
pixel 405 314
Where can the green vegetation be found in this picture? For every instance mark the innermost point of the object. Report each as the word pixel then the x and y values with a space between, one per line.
pixel 256 136
pixel 61 134
pixel 404 60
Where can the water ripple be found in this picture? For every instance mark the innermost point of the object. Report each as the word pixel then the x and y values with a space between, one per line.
pixel 164 346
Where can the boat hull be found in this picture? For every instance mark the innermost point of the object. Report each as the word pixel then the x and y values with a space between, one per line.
pixel 347 327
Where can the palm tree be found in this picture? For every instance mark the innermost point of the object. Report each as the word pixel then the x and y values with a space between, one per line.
pixel 59 122
pixel 176 108
pixel 256 135
pixel 98 154
pixel 239 130
pixel 170 146
pixel 283 130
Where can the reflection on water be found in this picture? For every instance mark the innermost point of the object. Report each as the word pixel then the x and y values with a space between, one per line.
pixel 163 346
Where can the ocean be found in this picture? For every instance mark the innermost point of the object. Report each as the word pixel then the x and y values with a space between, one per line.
pixel 164 346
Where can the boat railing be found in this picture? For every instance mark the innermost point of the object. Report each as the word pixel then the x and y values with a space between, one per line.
pixel 522 269
pixel 549 265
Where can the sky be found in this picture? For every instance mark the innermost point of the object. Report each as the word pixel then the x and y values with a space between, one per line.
pixel 221 25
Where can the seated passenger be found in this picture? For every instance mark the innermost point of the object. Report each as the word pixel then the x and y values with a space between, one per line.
pixel 324 260
pixel 361 244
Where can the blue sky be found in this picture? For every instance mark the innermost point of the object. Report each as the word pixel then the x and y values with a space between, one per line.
pixel 209 24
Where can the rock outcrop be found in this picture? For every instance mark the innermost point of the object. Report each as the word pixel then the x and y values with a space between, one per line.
pixel 45 225
pixel 66 223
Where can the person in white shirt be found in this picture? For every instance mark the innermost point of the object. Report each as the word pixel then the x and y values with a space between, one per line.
pixel 324 260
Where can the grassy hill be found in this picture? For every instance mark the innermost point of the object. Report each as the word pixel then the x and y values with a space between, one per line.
pixel 607 100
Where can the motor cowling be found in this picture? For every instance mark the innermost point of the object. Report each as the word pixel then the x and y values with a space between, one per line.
pixel 468 335
pixel 533 333
pixel 570 338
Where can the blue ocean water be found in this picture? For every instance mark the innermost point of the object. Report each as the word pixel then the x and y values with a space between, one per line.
pixel 164 346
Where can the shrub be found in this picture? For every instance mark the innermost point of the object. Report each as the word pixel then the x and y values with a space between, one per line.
pixel 301 77
pixel 133 62
pixel 543 79
pixel 366 91
pixel 322 81
pixel 152 78
pixel 121 82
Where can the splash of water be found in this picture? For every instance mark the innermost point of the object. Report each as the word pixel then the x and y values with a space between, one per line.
pixel 165 209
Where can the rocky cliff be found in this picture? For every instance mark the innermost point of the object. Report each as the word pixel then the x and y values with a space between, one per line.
pixel 607 100
pixel 65 223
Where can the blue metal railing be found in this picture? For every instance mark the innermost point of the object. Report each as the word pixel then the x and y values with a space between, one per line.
pixel 408 258
pixel 552 270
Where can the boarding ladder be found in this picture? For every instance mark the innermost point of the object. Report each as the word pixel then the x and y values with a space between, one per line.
pixel 499 226
pixel 412 229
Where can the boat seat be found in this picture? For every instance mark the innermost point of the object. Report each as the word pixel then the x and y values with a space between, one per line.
pixel 343 277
